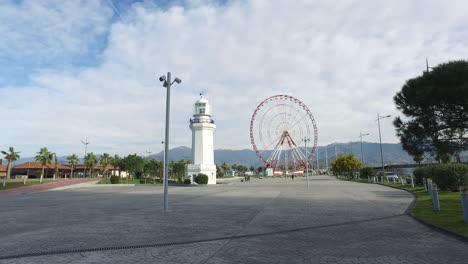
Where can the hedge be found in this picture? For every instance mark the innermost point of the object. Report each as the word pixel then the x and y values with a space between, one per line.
pixel 367 172
pixel 115 179
pixel 201 178
pixel 448 177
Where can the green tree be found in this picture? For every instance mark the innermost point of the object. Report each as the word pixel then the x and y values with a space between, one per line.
pixel 177 168
pixel 105 161
pixel 367 172
pixel 219 172
pixel 73 160
pixel 252 168
pixel 44 156
pixel 10 155
pixel 242 169
pixel 154 168
pixel 225 167
pixel 116 161
pixel 346 164
pixel 134 165
pixel 90 162
pixel 435 112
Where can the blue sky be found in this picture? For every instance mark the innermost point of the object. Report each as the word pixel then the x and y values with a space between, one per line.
pixel 71 70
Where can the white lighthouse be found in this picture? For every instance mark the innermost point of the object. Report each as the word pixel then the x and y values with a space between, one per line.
pixel 202 127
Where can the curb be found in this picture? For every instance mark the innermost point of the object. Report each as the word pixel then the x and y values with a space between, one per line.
pixel 109 185
pixel 73 186
pixel 409 212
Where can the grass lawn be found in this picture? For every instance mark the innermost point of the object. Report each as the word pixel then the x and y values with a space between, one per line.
pixel 11 185
pixel 450 216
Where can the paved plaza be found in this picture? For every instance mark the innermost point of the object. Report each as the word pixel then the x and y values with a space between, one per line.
pixel 261 221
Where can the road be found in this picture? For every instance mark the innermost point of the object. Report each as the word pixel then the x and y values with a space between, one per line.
pixel 261 221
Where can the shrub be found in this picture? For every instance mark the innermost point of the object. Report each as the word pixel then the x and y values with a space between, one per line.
pixel 115 179
pixel 144 180
pixel 187 181
pixel 448 177
pixel 180 179
pixel 367 172
pixel 201 178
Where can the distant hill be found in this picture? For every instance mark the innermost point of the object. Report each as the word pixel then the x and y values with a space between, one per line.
pixel 393 154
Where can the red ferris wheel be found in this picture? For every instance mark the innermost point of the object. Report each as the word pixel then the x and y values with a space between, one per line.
pixel 278 128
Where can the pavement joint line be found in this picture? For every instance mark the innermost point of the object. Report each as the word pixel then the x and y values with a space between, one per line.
pixel 243 227
pixel 157 245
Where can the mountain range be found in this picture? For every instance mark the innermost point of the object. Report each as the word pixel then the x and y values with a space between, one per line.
pixel 393 153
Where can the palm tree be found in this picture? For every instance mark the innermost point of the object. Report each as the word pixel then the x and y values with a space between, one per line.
pixel 105 160
pixel 91 161
pixel 56 165
pixel 44 156
pixel 10 156
pixel 116 162
pixel 73 160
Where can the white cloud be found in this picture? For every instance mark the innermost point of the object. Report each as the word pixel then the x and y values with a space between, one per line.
pixel 43 31
pixel 344 60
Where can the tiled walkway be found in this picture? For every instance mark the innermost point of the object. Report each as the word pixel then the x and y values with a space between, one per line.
pixel 43 187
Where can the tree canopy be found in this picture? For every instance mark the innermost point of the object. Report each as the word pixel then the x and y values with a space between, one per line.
pixel 435 109
pixel 345 164
pixel 134 164
pixel 11 155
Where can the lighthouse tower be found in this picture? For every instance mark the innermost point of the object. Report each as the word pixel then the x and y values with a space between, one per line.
pixel 202 127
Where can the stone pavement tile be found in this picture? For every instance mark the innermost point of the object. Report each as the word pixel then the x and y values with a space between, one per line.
pixel 261 221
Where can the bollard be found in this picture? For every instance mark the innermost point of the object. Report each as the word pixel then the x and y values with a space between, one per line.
pixel 435 198
pixel 424 183
pixel 412 182
pixel 373 179
pixel 393 180
pixel 4 181
pixel 464 200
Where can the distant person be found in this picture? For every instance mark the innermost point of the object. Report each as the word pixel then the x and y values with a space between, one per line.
pixel 292 177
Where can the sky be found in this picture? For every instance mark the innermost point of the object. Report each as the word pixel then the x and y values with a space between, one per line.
pixel 89 69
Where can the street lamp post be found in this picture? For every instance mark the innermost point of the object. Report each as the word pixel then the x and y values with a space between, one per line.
pixel 164 158
pixel 86 142
pixel 307 160
pixel 362 153
pixel 380 139
pixel 166 80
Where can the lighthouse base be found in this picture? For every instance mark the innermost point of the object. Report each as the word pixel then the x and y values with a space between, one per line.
pixel 192 170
